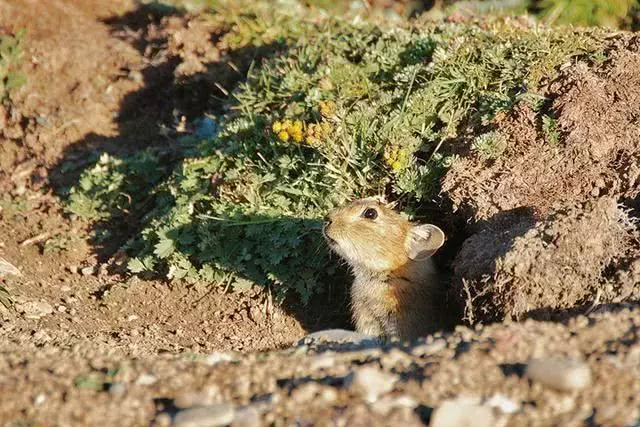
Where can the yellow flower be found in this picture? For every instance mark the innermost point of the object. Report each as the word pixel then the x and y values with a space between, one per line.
pixel 396 165
pixel 277 126
pixel 283 135
pixel 296 134
pixel 327 108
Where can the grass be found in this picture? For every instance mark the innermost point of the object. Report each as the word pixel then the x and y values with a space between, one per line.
pixel 344 109
pixel 10 55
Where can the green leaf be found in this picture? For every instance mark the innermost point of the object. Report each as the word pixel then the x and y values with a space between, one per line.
pixel 164 248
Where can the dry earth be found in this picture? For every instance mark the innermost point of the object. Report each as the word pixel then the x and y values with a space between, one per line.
pixel 84 346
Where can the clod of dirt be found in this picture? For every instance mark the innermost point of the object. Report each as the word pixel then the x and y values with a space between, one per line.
pixel 34 309
pixel 454 413
pixel 6 268
pixel 578 256
pixel 585 148
pixel 212 415
pixel 371 383
pixel 562 374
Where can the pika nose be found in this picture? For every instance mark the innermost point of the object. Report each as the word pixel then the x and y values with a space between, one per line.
pixel 326 224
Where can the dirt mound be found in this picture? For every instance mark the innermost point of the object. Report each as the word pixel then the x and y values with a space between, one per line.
pixel 583 255
pixel 584 149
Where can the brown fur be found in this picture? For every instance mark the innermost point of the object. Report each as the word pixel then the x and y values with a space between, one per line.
pixel 396 291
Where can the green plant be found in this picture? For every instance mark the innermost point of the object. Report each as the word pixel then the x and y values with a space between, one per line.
pixel 608 13
pixel 490 145
pixel 345 110
pixel 550 129
pixel 10 55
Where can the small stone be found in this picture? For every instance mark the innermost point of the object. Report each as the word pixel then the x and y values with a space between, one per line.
pixel 73 269
pixel 163 420
pixel 503 403
pixel 323 361
pixel 247 416
pixel 560 373
pixel 422 350
pixel 40 399
pixel 395 356
pixel 136 76
pixel 305 392
pixel 117 388
pixel 88 271
pixel 338 336
pixel 146 379
pixel 205 416
pixel 454 413
pixel 371 382
pixel 192 399
pixel 134 333
pixel 132 317
pixel 329 394
pixel 386 404
pixel 219 357
pixel 65 288
pixel 7 269
pixel 62 308
pixel 34 309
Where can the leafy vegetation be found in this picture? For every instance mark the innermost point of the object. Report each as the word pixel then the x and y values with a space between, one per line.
pixel 347 110
pixel 10 55
pixel 608 13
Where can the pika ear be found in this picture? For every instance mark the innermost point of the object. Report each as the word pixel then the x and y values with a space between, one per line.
pixel 423 241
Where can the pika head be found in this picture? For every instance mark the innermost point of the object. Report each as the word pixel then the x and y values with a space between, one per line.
pixel 372 236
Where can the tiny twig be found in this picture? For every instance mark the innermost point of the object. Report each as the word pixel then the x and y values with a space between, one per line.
pixel 596 302
pixel 35 239
pixel 222 89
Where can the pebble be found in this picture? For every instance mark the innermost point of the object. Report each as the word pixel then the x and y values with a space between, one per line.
pixel 305 392
pixel 40 399
pixel 455 413
pixel 136 76
pixel 6 268
pixel 323 361
pixel 338 336
pixel 219 357
pixel 371 382
pixel 503 403
pixel 205 416
pixel 395 356
pixel 208 396
pixel 73 269
pixel 146 379
pixel 34 309
pixel 429 349
pixel 386 404
pixel 247 416
pixel 560 373
pixel 117 388
pixel 87 271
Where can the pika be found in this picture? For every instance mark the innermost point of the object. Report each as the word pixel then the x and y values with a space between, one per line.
pixel 396 291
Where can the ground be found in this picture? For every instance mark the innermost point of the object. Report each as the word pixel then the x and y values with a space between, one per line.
pixel 83 345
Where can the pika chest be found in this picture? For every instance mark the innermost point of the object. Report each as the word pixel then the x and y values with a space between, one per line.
pixel 396 294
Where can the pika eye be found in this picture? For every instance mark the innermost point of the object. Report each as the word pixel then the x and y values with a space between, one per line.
pixel 370 213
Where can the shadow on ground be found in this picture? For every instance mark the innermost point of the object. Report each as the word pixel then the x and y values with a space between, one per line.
pixel 147 149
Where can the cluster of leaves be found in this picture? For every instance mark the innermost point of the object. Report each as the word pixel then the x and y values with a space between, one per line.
pixel 10 54
pixel 595 13
pixel 607 13
pixel 113 185
pixel 246 204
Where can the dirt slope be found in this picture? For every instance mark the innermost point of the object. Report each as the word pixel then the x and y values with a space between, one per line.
pixel 83 346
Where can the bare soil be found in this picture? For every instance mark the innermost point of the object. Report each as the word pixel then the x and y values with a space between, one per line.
pixel 85 346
